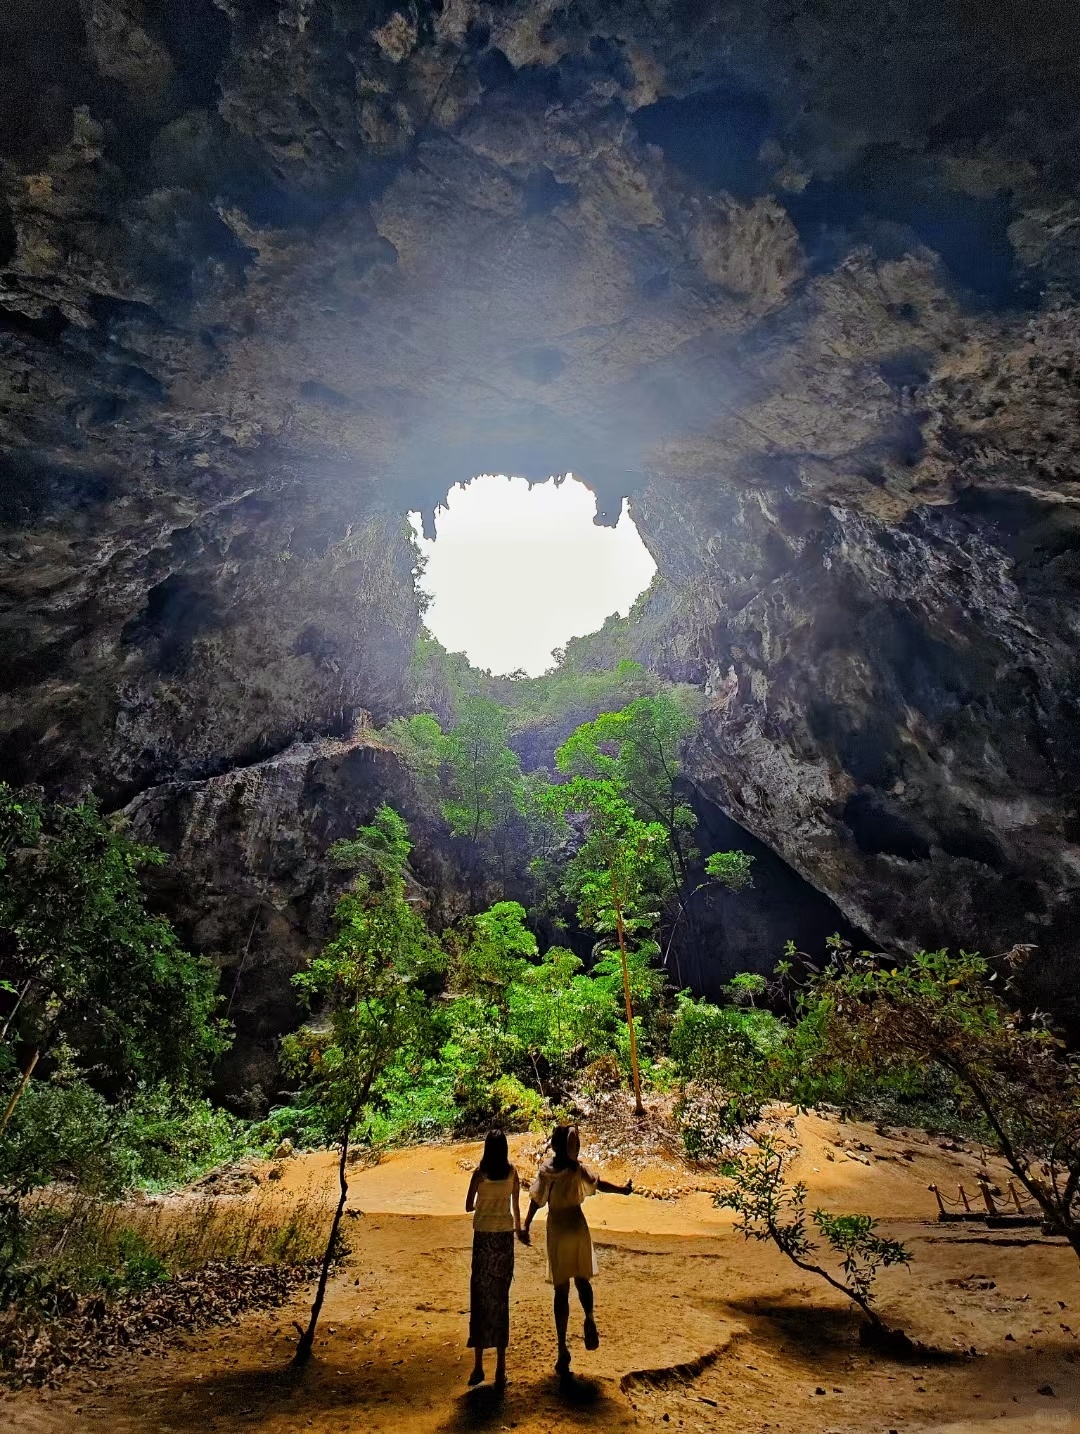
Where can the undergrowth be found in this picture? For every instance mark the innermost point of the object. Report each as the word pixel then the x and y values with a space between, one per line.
pixel 59 1243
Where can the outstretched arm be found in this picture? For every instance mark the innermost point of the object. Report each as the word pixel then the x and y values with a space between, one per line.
pixel 606 1188
pixel 470 1198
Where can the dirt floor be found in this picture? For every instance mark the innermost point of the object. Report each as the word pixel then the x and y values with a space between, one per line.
pixel 700 1330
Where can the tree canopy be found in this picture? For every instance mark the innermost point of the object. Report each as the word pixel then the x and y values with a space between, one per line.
pixel 85 970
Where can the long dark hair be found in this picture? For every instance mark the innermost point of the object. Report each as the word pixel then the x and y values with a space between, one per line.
pixel 495 1161
pixel 560 1158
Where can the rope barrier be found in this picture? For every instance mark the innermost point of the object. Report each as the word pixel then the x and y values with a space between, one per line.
pixel 961 1206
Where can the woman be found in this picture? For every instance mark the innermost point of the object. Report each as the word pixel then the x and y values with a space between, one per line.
pixel 493 1201
pixel 562 1184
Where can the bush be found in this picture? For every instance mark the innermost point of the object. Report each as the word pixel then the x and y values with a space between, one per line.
pixel 169 1140
pixel 62 1131
pixel 419 1105
pixel 515 1107
pixel 65 1130
pixel 722 1044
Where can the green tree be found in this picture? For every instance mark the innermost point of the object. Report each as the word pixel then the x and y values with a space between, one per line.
pixel 419 742
pixel 561 1017
pixel 769 1207
pixel 618 876
pixel 496 946
pixel 85 971
pixel 369 986
pixel 640 750
pixel 731 869
pixel 1012 1072
pixel 484 772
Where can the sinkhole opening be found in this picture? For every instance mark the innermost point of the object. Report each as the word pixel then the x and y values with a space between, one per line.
pixel 516 569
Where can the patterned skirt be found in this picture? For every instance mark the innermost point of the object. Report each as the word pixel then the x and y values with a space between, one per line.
pixel 489 1289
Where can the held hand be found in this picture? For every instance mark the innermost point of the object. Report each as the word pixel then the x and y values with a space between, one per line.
pixel 524 1237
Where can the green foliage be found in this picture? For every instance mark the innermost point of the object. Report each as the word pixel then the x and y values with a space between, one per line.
pixel 746 988
pixel 484 774
pixel 569 693
pixel 368 979
pixel 514 1106
pixel 640 750
pixel 84 968
pixel 769 1207
pixel 733 1062
pixel 950 1011
pixel 617 875
pixel 63 1129
pixel 561 1018
pixel 620 868
pixel 731 869
pixel 419 1102
pixel 496 948
pixel 167 1138
pixel 419 742
pixel 723 1044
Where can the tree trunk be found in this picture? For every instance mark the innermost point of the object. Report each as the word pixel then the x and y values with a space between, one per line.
pixel 18 1091
pixel 307 1338
pixel 639 1109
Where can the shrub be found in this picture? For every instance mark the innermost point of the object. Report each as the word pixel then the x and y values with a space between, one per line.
pixel 62 1129
pixel 168 1140
pixel 768 1207
pixel 723 1044
pixel 514 1106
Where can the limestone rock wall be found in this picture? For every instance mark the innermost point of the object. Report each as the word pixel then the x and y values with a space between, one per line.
pixel 249 884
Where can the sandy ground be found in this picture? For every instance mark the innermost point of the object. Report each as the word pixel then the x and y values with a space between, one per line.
pixel 700 1330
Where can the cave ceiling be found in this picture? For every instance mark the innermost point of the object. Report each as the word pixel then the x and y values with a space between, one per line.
pixel 797 279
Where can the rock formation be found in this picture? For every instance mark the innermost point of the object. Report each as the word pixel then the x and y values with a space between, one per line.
pixel 798 279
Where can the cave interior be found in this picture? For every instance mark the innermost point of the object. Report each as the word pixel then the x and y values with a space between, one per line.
pixel 797 283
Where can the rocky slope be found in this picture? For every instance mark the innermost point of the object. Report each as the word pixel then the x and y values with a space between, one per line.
pixel 798 278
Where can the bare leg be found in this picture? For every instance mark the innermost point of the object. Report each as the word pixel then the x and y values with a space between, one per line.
pixel 562 1319
pixel 585 1295
pixel 477 1375
pixel 500 1367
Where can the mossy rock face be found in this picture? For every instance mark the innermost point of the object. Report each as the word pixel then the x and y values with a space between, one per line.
pixel 270 281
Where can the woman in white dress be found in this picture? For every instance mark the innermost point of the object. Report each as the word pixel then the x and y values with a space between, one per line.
pixel 562 1184
pixel 493 1201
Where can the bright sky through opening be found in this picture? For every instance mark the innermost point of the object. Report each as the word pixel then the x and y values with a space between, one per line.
pixel 515 572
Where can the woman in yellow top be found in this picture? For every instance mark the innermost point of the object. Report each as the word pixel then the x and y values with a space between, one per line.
pixel 493 1201
pixel 562 1184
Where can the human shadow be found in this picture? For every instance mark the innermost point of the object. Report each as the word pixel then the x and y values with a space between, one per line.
pixel 574 1401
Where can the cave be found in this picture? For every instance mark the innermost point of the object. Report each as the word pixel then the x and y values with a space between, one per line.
pixel 273 277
